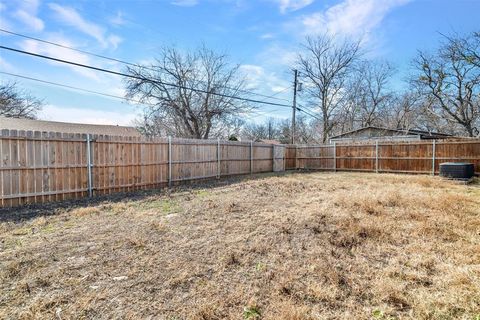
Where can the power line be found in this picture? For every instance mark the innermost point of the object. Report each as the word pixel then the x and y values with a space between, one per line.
pixel 100 93
pixel 124 62
pixel 277 93
pixel 67 47
pixel 273 95
pixel 74 88
pixel 114 96
pixel 308 113
pixel 308 109
pixel 135 77
pixel 139 78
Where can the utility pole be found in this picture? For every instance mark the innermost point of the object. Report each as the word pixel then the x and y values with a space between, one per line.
pixel 294 105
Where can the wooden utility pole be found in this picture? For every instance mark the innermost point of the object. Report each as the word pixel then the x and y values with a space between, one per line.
pixel 294 105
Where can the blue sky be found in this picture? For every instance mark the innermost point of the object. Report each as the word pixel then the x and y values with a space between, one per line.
pixel 262 36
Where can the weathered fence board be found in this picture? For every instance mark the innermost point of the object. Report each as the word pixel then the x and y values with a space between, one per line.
pixel 38 167
pixel 315 157
pixel 278 158
pixel 402 157
pixel 290 157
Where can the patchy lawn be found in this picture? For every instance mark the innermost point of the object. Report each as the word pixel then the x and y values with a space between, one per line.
pixel 294 246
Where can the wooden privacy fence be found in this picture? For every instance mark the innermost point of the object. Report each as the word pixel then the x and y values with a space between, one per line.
pixel 40 167
pixel 400 157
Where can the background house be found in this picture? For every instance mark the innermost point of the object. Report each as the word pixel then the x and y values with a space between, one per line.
pixel 379 133
pixel 66 127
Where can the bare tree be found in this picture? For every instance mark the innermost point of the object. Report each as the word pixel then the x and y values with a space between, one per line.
pixel 327 64
pixel 404 111
pixel 306 130
pixel 258 131
pixel 16 103
pixel 228 130
pixel 190 94
pixel 281 130
pixel 153 123
pixel 450 79
pixel 285 131
pixel 369 94
pixel 467 47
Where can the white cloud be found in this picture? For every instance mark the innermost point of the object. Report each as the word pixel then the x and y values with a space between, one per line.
pixel 278 55
pixel 79 115
pixel 7 67
pixel 114 40
pixel 267 36
pixel 62 53
pixel 32 22
pixel 292 5
pixel 118 19
pixel 27 14
pixel 4 24
pixel 252 75
pixel 350 17
pixel 71 17
pixel 258 78
pixel 185 3
pixel 278 89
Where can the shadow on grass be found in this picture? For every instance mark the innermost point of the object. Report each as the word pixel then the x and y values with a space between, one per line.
pixel 31 211
pixel 27 212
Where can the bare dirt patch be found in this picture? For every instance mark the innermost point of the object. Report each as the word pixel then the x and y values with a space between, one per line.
pixel 295 246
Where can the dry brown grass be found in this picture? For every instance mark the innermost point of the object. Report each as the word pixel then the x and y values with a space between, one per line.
pixel 297 246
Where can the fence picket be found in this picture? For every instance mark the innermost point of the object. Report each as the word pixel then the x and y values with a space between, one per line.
pixel 42 167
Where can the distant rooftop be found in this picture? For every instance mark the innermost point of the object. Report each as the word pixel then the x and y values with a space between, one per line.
pixel 372 132
pixel 66 127
pixel 269 141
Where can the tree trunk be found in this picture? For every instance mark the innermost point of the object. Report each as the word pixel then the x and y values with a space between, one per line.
pixel 325 131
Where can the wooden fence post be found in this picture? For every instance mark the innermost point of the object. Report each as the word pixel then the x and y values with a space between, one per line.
pixel 335 156
pixel 169 161
pixel 56 163
pixel 89 166
pixel 251 157
pixel 219 168
pixel 296 158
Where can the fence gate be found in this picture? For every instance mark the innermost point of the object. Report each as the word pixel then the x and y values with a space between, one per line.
pixel 278 158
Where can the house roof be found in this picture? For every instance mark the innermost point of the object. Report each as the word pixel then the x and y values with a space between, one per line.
pixel 66 127
pixel 269 141
pixel 425 134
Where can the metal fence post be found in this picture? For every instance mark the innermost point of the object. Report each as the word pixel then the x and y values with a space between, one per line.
pixel 296 158
pixel 376 156
pixel 89 166
pixel 433 158
pixel 273 158
pixel 169 161
pixel 219 168
pixel 335 156
pixel 251 157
